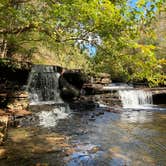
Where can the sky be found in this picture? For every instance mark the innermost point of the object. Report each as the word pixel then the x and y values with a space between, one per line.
pixel 132 3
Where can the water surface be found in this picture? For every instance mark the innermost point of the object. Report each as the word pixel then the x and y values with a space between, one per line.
pixel 133 137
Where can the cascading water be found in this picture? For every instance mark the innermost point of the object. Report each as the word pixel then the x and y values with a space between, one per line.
pixel 135 98
pixel 43 84
pixel 43 88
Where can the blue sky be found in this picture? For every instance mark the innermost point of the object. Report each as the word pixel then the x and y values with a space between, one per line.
pixel 132 3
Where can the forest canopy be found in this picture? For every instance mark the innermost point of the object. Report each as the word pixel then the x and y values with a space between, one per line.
pixel 118 37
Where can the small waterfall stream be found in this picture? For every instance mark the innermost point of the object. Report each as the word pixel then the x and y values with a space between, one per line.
pixel 135 98
pixel 43 88
pixel 43 84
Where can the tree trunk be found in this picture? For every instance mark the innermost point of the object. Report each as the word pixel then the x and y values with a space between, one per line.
pixel 3 48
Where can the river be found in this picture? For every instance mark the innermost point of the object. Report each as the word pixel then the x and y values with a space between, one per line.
pixel 133 137
pixel 130 134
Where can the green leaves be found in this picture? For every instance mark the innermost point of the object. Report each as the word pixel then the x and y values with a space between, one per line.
pixel 122 35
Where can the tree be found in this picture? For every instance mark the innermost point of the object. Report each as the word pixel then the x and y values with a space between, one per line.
pixel 134 56
pixel 27 21
pixel 112 27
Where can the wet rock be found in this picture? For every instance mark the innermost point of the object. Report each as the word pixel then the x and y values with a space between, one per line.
pixel 94 149
pixel 2 112
pixel 99 112
pixel 3 153
pixel 26 121
pixel 159 98
pixel 95 84
pixel 92 119
pixel 17 104
pixel 113 110
pixel 83 105
pixel 70 84
pixel 22 94
pixel 20 113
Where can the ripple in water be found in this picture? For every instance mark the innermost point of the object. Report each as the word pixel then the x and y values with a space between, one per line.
pixel 137 116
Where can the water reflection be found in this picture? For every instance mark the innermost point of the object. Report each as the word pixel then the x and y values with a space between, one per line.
pixel 137 116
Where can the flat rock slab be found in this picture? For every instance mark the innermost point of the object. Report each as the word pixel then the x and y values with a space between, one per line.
pixel 20 113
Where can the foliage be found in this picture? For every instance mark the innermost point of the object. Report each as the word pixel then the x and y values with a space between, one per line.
pixel 134 56
pixel 26 23
pixel 40 30
pixel 69 58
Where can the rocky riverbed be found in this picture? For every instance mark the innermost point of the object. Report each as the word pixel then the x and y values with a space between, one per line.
pixel 88 134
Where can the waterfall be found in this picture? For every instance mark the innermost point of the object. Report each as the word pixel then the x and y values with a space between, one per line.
pixel 43 88
pixel 43 84
pixel 135 98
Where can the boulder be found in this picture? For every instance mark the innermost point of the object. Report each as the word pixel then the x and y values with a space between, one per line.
pixel 67 89
pixel 159 98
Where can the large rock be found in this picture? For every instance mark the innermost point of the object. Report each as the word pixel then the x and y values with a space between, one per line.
pixel 159 98
pixel 71 83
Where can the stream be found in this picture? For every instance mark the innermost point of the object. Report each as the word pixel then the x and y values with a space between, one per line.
pixel 133 137
pixel 130 134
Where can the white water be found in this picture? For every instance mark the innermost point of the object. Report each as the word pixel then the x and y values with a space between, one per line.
pixel 43 88
pixel 135 98
pixel 50 118
pixel 43 85
pixel 117 86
